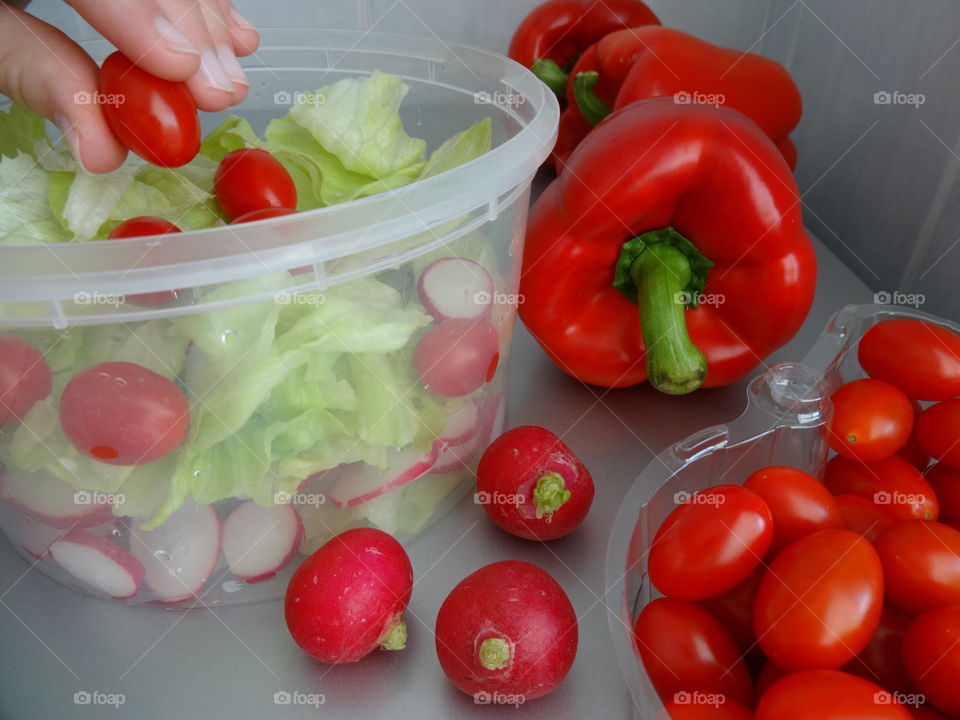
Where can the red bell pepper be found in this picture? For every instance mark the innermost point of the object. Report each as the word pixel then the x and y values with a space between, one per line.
pixel 640 63
pixel 556 32
pixel 690 214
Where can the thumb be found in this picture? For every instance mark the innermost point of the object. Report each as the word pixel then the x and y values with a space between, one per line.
pixel 46 71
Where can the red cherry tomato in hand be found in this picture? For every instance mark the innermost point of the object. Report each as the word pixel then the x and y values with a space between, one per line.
pixel 155 118
pixel 820 601
pixel 892 484
pixel 862 516
pixel 139 227
pixel 938 431
pixel 931 654
pixel 457 356
pixel 871 420
pixel 685 649
pixel 251 179
pixel 921 565
pixel 121 413
pixel 25 378
pixel 945 482
pixel 920 358
pixel 828 695
pixel 710 543
pixel 881 661
pixel 800 504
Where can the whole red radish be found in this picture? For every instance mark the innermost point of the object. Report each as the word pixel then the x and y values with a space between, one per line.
pixel 532 485
pixel 348 598
pixel 507 628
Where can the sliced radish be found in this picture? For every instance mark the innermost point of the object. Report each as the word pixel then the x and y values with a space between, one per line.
pixel 361 482
pixel 455 287
pixel 180 555
pixel 52 501
pixel 37 537
pixel 461 426
pixel 259 541
pixel 459 456
pixel 99 563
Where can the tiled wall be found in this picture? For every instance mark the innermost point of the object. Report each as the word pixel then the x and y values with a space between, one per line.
pixel 879 181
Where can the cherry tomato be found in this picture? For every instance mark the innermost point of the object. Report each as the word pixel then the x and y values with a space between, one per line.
pixel 911 450
pixel 820 601
pixel 706 706
pixel 938 429
pixel 863 517
pixel 138 227
pixel 251 179
pixel 925 712
pixel 945 482
pixel 881 661
pixel 710 543
pixel 769 674
pixel 931 654
pixel 25 378
pixel 457 356
pixel 828 695
pixel 921 565
pixel 892 484
pixel 155 118
pixel 685 649
pixel 734 609
pixel 121 413
pixel 922 359
pixel 871 420
pixel 264 214
pixel 800 504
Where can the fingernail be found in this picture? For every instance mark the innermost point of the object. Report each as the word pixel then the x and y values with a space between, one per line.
pixel 231 66
pixel 240 20
pixel 213 73
pixel 173 38
pixel 71 135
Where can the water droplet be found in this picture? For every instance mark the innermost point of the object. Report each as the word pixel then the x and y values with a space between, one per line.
pixel 197 473
pixel 231 586
pixel 103 375
pixel 116 532
pixel 178 571
pixel 120 381
pixel 163 556
pixel 229 336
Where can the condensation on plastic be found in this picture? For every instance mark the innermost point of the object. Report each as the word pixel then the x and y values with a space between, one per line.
pixel 788 408
pixel 451 86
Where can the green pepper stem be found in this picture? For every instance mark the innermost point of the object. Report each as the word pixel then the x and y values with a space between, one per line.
pixel 662 275
pixel 549 494
pixel 552 75
pixel 591 107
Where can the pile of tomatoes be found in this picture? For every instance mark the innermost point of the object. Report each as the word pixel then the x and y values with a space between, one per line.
pixel 792 597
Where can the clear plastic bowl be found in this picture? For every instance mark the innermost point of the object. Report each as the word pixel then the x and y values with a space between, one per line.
pixel 234 283
pixel 784 424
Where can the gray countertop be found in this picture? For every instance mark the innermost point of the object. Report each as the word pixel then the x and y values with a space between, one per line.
pixel 230 662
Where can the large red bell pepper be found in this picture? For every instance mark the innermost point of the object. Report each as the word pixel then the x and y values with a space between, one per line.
pixel 645 62
pixel 557 31
pixel 686 215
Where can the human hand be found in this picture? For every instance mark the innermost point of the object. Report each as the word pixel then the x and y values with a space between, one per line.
pixel 195 41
